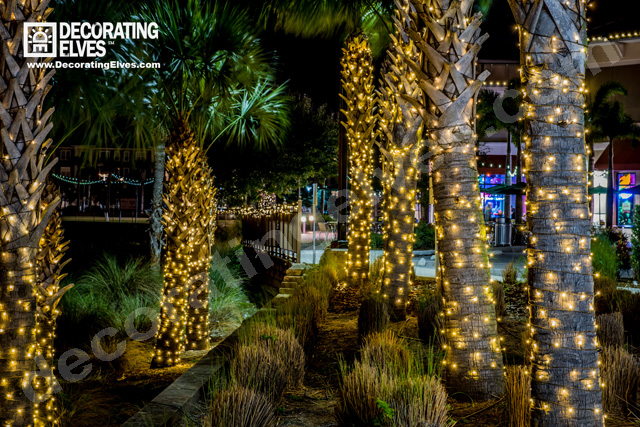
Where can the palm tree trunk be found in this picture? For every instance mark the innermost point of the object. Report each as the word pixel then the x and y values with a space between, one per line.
pixel 401 125
pixel 178 217
pixel 610 188
pixel 447 77
pixel 155 221
pixel 360 123
pixel 23 172
pixel 50 264
pixel 519 198
pixel 197 333
pixel 565 386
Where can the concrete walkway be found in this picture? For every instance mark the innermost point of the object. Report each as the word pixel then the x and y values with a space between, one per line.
pixel 425 264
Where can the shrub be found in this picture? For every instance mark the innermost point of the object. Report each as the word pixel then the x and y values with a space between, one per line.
pixel 499 299
pixel 518 392
pixel 430 323
pixel 629 305
pixel 228 302
pixel 605 291
pixel 373 316
pixel 376 241
pixel 604 258
pixel 386 352
pixel 257 367
pixel 425 235
pixel 103 298
pixel 241 407
pixel 610 330
pixel 620 373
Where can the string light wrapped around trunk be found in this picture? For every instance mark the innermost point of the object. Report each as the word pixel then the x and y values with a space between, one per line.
pixel 23 215
pixel 401 142
pixel 449 39
pixel 565 387
pixel 181 194
pixel 360 121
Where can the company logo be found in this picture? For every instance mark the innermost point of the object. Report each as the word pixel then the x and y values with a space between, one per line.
pixel 40 40
pixel 80 39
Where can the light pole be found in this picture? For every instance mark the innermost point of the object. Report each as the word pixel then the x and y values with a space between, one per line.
pixel 313 218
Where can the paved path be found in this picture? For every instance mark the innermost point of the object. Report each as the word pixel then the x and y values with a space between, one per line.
pixel 425 266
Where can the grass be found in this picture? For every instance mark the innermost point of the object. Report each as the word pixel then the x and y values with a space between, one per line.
pixel 388 387
pixel 620 373
pixel 228 301
pixel 518 393
pixel 499 298
pixel 241 407
pixel 610 330
pixel 373 316
pixel 104 297
pixel 430 323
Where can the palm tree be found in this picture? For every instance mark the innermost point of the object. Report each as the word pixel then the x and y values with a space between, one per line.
pixel 401 126
pixel 607 118
pixel 449 39
pixel 360 125
pixel 565 379
pixel 218 72
pixel 25 215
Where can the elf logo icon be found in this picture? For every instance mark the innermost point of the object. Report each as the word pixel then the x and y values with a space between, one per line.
pixel 40 40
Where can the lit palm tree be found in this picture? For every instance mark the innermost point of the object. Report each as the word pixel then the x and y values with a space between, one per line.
pixel 448 37
pixel 565 378
pixel 401 126
pixel 25 215
pixel 360 126
pixel 218 72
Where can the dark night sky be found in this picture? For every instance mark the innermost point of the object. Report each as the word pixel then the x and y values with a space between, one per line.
pixel 312 65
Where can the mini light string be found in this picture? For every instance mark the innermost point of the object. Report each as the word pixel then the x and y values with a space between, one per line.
pixel 118 180
pixel 361 132
pixel 550 210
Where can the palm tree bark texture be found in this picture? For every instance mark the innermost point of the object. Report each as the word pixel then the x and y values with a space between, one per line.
pixel 24 216
pixel 401 125
pixel 50 262
pixel 360 126
pixel 179 213
pixel 449 39
pixel 565 387
pixel 197 334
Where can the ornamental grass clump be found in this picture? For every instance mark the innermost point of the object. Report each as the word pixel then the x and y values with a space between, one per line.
pixel 373 316
pixel 430 322
pixel 283 344
pixel 518 394
pixel 620 374
pixel 257 367
pixel 241 407
pixel 499 299
pixel 610 330
pixel 387 386
pixel 386 352
pixel 420 401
